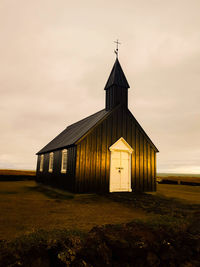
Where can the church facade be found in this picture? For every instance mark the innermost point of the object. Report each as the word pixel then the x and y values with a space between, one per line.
pixel 106 152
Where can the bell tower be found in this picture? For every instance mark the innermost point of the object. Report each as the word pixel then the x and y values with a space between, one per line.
pixel 116 87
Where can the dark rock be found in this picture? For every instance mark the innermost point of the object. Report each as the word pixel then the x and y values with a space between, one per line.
pixel 152 259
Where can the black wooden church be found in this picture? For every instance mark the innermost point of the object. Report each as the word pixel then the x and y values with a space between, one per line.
pixel 106 152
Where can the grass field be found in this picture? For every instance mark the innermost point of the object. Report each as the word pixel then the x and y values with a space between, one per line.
pixel 184 193
pixel 179 178
pixel 188 175
pixel 26 207
pixel 17 172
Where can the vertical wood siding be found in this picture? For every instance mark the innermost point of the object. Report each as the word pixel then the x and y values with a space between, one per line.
pixel 145 164
pixel 116 95
pixel 155 175
pixel 149 168
pixel 93 154
pixel 56 178
pixel 137 156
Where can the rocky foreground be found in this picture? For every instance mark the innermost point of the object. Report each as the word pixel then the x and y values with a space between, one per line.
pixel 132 244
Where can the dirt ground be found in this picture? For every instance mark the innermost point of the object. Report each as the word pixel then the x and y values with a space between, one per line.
pixel 25 207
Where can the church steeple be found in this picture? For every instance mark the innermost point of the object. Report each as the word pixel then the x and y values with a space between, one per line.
pixel 116 87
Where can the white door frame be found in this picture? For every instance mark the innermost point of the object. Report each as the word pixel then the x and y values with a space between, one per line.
pixel 122 146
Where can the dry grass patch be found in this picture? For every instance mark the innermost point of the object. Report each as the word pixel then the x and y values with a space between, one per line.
pixel 184 193
pixel 26 207
pixel 179 179
pixel 17 172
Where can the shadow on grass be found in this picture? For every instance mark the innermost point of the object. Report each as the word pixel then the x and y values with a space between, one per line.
pixel 8 192
pixel 15 178
pixel 156 204
pixel 50 193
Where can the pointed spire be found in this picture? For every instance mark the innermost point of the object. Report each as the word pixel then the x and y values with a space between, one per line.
pixel 117 77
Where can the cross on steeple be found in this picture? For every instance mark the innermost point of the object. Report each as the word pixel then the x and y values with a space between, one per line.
pixel 116 50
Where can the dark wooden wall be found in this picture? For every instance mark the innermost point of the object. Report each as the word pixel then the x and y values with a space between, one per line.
pixel 93 155
pixel 56 178
pixel 116 95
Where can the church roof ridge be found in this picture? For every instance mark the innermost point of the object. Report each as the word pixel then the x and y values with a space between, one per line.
pixel 86 118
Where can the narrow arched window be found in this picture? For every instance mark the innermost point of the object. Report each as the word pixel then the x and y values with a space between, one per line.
pixel 41 162
pixel 64 161
pixel 51 162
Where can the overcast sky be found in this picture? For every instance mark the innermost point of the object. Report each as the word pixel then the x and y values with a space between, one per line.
pixel 56 56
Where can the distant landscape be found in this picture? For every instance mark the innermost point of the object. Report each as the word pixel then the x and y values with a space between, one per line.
pixel 177 178
pixel 160 174
pixel 16 175
pixel 174 178
pixel 17 172
pixel 33 172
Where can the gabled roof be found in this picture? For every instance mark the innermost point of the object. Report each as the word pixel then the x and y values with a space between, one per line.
pixel 74 132
pixel 117 77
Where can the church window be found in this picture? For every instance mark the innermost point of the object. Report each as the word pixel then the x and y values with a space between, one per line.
pixel 51 162
pixel 64 161
pixel 41 162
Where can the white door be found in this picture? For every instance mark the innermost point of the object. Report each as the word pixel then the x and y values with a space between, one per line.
pixel 115 173
pixel 120 166
pixel 120 171
pixel 125 170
